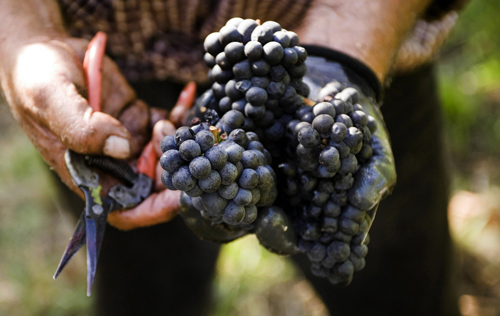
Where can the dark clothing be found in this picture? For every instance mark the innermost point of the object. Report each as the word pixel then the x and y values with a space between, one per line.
pixel 163 39
pixel 166 270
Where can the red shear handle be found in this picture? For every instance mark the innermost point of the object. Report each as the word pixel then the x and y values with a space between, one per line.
pixel 147 161
pixel 92 65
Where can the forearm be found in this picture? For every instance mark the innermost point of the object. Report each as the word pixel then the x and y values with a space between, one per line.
pixel 28 20
pixel 369 30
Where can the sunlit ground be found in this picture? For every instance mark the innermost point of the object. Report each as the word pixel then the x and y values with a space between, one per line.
pixel 34 231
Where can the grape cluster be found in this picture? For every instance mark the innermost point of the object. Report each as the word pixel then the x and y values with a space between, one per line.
pixel 228 176
pixel 257 121
pixel 256 70
pixel 328 142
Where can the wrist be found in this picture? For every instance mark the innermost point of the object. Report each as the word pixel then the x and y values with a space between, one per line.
pixel 28 21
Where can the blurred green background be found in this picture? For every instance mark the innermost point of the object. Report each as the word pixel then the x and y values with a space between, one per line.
pixel 250 280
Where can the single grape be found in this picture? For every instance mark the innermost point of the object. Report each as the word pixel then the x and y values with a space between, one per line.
pixel 229 34
pixel 248 179
pixel 274 26
pixel 200 168
pixel 282 38
pixel 209 60
pixel 166 179
pixel 183 180
pixel 211 183
pixel 242 70
pixel 167 143
pixel 260 67
pixel 223 62
pixel 205 139
pixel 273 53
pixel 212 44
pixel 233 213
pixel 243 197
pixel 213 203
pixel 262 34
pixel 250 214
pixel 245 28
pixel 217 157
pixel 195 191
pixel 234 52
pixel 253 50
pixel 229 191
pixel 189 150
pixel 228 173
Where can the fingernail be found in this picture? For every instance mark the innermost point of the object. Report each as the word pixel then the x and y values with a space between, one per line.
pixel 117 147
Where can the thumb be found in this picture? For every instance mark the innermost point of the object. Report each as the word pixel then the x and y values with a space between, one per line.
pixel 69 116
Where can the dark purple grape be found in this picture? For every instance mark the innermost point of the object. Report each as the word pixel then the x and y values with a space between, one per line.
pixel 200 167
pixel 250 214
pixel 213 203
pixel 229 34
pixel 282 38
pixel 294 38
pixel 260 67
pixel 235 52
pixel 308 137
pixel 166 179
pixel 245 28
pixel 189 150
pixel 248 179
pixel 209 60
pixel 171 161
pixel 205 139
pixel 183 180
pixel 273 53
pixel 229 191
pixel 223 62
pixel 167 143
pixel 260 82
pixel 274 26
pixel 243 197
pixel 242 70
pixel 217 157
pixel 233 213
pixel 253 50
pixel 262 34
pixel 290 57
pixel 232 91
pixel 195 191
pixel 212 44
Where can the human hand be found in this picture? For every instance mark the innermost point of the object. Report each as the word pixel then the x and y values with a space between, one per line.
pixel 376 176
pixel 44 85
pixel 162 205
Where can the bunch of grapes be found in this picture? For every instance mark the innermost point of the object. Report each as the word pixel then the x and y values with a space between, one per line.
pixel 257 70
pixel 228 176
pixel 328 141
pixel 258 94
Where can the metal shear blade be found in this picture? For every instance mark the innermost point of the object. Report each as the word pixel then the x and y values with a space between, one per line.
pixel 92 223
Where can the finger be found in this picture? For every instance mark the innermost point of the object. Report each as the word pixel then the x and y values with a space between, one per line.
pixel 50 96
pixel 135 118
pixel 160 130
pixel 158 185
pixel 81 129
pixel 376 178
pixel 156 209
pixel 183 105
pixel 51 149
pixel 147 161
pixel 116 92
pixel 156 115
